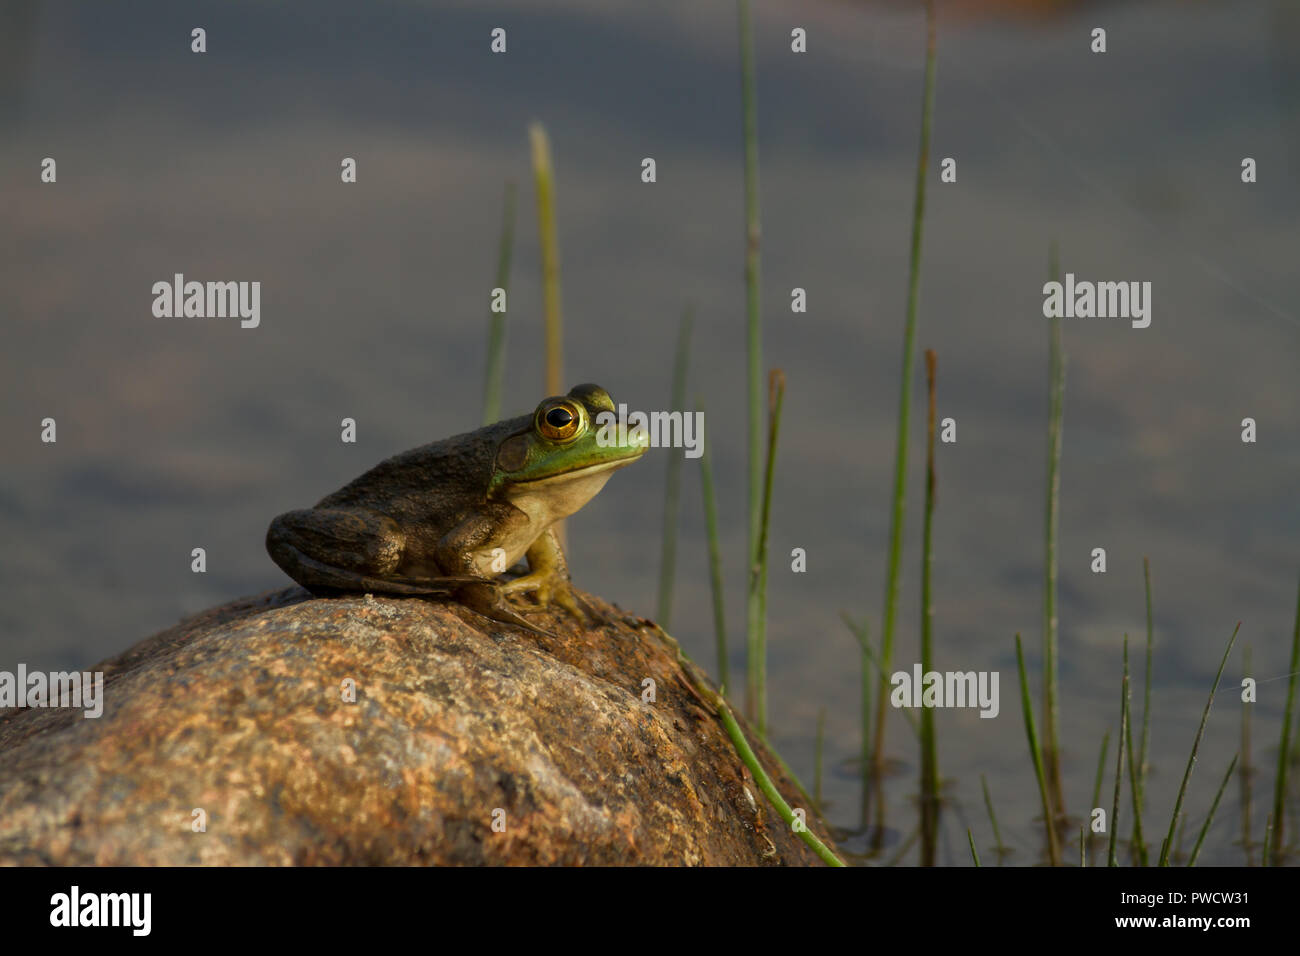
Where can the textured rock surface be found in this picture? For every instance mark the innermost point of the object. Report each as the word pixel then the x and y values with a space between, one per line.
pixel 240 711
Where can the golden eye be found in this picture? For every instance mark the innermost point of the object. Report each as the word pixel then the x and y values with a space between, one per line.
pixel 559 421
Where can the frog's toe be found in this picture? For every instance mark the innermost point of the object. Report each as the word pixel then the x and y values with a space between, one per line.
pixel 549 591
pixel 489 600
pixel 525 584
pixel 565 597
pixel 544 588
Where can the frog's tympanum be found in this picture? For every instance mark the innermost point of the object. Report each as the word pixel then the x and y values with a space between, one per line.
pixel 445 519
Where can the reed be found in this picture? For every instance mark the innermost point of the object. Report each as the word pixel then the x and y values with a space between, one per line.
pixel 1247 772
pixel 871 666
pixel 817 756
pixel 754 345
pixel 1209 818
pixel 1196 746
pixel 1096 785
pixel 496 348
pixel 673 479
pixel 765 782
pixel 1056 411
pixel 1284 749
pixel 1138 843
pixel 892 580
pixel 758 582
pixel 1027 706
pixel 715 553
pixel 544 179
pixel 993 819
pixel 1146 688
pixel 929 745
pixel 1112 859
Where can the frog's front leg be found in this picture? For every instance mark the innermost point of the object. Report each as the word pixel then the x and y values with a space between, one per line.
pixel 548 576
pixel 470 549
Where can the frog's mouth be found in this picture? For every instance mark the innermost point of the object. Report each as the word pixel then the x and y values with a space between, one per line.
pixel 578 474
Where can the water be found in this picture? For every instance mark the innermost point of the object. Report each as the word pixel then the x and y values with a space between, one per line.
pixel 183 433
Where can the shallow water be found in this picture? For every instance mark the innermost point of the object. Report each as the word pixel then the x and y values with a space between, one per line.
pixel 181 433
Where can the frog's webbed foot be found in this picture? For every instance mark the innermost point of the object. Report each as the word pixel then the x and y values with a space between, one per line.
pixel 551 589
pixel 488 599
pixel 548 579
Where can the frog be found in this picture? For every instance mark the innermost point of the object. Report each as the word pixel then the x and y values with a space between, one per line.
pixel 444 520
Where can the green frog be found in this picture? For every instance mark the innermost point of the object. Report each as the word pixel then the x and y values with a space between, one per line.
pixel 445 519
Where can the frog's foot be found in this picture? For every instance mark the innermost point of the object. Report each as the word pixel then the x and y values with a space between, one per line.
pixel 487 599
pixel 551 589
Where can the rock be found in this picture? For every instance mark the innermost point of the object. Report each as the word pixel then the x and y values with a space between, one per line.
pixel 240 712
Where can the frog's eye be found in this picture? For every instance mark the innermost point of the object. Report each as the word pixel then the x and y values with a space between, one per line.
pixel 559 420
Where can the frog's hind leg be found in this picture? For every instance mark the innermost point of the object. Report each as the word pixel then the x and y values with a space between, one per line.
pixel 363 551
pixel 487 598
pixel 474 593
pixel 335 551
pixel 327 580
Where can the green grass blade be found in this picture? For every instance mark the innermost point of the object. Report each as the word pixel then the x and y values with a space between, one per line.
pixel 902 849
pixel 1196 746
pixel 988 803
pixel 817 756
pixel 745 752
pixel 868 662
pixel 496 351
pixel 1284 753
pixel 1049 823
pixel 1111 858
pixel 754 343
pixel 1205 828
pixel 1178 842
pixel 929 744
pixel 871 666
pixel 715 553
pixel 1146 688
pixel 892 581
pixel 1138 842
pixel 794 778
pixel 544 178
pixel 1101 766
pixel 1056 409
pixel 765 782
pixel 758 584
pixel 1247 772
pixel 1096 784
pixel 975 854
pixel 673 480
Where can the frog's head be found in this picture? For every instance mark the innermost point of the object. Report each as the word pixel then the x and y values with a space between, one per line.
pixel 567 451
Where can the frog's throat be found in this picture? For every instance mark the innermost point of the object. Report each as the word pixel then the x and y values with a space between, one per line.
pixel 548 500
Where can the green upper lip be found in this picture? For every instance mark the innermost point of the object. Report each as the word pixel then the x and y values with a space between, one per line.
pixel 633 454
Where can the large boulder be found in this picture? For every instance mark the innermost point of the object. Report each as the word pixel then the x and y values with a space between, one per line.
pixel 458 723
